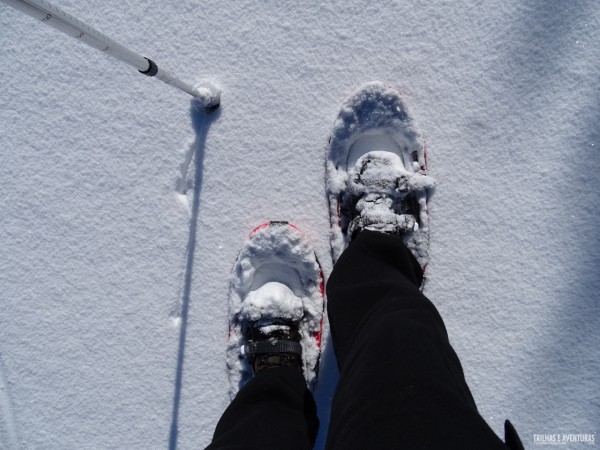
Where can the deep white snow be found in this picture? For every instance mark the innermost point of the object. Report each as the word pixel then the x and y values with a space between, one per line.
pixel 122 212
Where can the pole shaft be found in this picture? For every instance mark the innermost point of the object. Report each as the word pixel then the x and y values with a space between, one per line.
pixel 61 20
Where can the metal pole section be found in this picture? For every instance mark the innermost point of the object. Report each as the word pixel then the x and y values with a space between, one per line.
pixel 61 20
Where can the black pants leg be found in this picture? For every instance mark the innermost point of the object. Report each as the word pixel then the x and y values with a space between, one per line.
pixel 275 410
pixel 401 384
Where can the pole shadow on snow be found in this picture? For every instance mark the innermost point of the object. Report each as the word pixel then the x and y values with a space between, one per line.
pixel 201 122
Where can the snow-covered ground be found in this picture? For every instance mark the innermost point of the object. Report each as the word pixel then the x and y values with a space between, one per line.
pixel 98 262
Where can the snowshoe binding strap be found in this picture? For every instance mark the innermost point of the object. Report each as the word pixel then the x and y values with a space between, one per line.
pixel 273 353
pixel 255 348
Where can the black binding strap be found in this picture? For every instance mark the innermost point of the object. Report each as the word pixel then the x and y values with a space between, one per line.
pixel 274 346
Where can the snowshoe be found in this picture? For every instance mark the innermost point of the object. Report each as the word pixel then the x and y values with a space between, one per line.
pixel 376 176
pixel 275 305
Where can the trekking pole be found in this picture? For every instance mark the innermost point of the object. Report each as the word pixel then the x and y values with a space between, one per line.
pixel 59 19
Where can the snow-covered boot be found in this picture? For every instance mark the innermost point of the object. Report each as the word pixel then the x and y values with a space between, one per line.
pixel 275 305
pixel 382 193
pixel 272 345
pixel 376 176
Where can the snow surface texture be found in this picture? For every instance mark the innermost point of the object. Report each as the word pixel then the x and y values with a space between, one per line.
pixel 375 140
pixel 276 278
pixel 95 238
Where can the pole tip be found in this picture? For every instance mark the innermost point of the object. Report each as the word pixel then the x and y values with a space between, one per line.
pixel 207 97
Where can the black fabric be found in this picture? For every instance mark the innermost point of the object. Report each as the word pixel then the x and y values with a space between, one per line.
pixel 401 385
pixel 512 439
pixel 275 410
